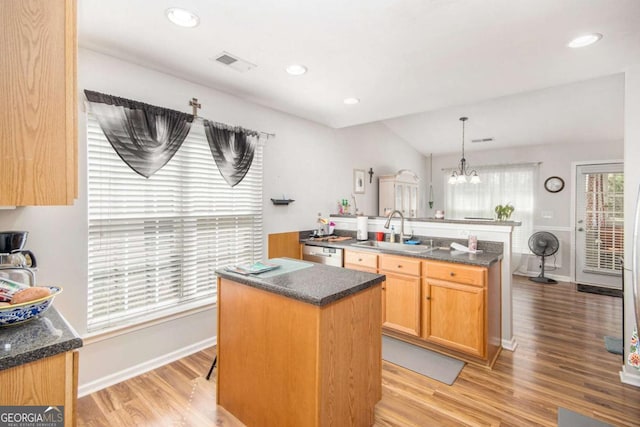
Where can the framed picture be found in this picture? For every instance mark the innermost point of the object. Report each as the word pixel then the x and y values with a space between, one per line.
pixel 358 181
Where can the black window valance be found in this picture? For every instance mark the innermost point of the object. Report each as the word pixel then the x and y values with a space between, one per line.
pixel 232 149
pixel 147 136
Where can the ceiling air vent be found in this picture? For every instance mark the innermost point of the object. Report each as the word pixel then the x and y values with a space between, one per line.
pixel 482 140
pixel 232 61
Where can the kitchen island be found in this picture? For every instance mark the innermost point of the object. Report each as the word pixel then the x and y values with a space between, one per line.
pixel 300 345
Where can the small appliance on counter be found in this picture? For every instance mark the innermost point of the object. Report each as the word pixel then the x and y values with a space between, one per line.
pixel 362 230
pixel 16 263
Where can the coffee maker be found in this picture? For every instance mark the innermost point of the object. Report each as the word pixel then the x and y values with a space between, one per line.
pixel 16 263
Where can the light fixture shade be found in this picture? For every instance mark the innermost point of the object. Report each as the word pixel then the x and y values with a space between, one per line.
pixel 461 179
pixel 475 179
pixel 452 179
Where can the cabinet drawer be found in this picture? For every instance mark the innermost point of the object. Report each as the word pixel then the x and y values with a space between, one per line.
pixel 399 264
pixel 362 259
pixel 460 273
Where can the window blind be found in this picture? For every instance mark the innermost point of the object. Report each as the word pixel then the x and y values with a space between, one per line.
pixel 154 244
pixel 513 184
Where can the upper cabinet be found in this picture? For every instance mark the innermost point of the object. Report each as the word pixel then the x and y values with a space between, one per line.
pixel 38 118
pixel 399 192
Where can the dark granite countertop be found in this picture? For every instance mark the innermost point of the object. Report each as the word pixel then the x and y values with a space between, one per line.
pixel 484 259
pixel 46 335
pixel 309 282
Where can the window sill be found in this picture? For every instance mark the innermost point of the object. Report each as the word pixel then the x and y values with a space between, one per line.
pixel 167 316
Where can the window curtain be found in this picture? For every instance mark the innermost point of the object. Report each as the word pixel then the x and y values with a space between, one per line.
pixel 513 184
pixel 145 137
pixel 232 149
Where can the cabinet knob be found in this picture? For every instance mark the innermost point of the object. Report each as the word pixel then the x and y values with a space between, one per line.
pixel 399 265
pixel 452 274
pixel 359 259
pixel 428 297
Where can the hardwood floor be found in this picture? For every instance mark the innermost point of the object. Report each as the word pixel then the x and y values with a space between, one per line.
pixel 560 362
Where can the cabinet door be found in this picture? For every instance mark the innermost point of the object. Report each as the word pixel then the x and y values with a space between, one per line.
pixel 38 127
pixel 402 303
pixel 399 191
pixel 455 314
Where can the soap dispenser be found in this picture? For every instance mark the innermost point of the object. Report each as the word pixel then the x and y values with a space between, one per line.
pixel 392 236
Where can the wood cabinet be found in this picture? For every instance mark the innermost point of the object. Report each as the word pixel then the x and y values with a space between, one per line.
pixel 285 245
pixel 284 362
pixel 461 308
pixel 366 261
pixel 38 118
pixel 399 192
pixel 51 381
pixel 453 316
pixel 449 307
pixel 362 261
pixel 402 293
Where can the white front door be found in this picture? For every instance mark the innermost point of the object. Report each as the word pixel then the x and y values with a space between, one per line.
pixel 599 224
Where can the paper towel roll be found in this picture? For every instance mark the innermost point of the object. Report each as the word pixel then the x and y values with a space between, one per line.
pixel 362 230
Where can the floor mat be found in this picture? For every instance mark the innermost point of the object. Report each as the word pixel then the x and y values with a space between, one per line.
pixel 613 344
pixel 417 359
pixel 567 418
pixel 599 290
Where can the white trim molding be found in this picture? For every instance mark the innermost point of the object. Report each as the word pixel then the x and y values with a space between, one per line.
pixel 146 366
pixel 630 375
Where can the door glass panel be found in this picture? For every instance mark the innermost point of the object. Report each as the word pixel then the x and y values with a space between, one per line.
pixel 604 222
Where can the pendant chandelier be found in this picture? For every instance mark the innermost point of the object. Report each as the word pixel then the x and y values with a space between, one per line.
pixel 460 175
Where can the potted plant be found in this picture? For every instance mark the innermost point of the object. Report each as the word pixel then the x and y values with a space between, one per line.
pixel 503 212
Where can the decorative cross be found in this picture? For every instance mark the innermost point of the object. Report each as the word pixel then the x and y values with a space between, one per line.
pixel 195 104
pixel 370 174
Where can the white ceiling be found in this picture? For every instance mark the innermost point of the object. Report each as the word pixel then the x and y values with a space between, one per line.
pixel 416 65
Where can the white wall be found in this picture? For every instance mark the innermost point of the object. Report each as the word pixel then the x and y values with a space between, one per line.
pixel 555 160
pixel 306 161
pixel 631 185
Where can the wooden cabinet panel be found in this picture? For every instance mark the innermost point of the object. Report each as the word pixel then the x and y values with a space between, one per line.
pixel 363 261
pixel 284 362
pixel 459 273
pixel 402 303
pixel 400 264
pixel 38 118
pixel 51 381
pixel 456 315
pixel 285 245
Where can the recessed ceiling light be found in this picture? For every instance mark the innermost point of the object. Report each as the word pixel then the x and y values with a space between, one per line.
pixel 351 101
pixel 585 40
pixel 182 17
pixel 296 69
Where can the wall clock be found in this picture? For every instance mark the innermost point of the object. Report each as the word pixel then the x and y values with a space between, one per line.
pixel 554 184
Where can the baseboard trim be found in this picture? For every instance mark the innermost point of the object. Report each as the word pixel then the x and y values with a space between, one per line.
pixel 629 377
pixel 510 344
pixel 149 365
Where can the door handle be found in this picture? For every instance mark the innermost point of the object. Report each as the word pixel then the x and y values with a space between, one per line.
pixel 580 229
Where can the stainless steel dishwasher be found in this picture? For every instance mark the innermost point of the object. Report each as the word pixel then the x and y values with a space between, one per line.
pixel 322 255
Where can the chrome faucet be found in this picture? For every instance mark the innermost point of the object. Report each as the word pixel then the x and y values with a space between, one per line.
pixel 402 235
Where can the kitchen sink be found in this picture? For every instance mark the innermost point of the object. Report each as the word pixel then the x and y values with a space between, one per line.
pixel 400 247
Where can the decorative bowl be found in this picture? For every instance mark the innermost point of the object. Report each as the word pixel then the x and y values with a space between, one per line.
pixel 18 313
